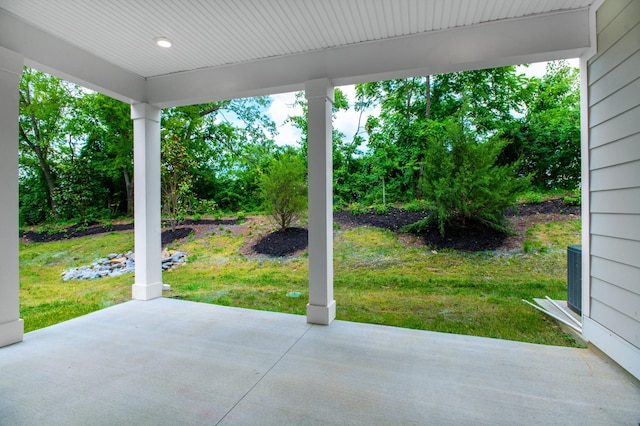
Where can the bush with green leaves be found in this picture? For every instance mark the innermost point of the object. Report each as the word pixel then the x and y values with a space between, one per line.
pixel 462 181
pixel 284 189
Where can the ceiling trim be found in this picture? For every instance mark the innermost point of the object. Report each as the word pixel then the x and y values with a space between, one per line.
pixel 52 55
pixel 506 42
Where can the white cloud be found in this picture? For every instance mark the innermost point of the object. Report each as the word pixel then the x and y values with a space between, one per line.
pixel 282 107
pixel 347 121
pixel 539 68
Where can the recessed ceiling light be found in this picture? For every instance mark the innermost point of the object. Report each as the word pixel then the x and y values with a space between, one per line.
pixel 162 41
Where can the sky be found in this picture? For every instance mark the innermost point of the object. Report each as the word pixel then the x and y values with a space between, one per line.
pixel 347 121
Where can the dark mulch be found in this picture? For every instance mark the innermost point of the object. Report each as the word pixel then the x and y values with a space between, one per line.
pixel 556 206
pixel 75 231
pixel 393 220
pixel 218 222
pixel 283 243
pixel 169 236
pixel 78 231
pixel 474 236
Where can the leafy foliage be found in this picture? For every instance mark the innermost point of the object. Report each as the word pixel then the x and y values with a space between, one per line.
pixel 176 178
pixel 44 102
pixel 284 189
pixel 484 99
pixel 548 136
pixel 76 146
pixel 462 181
pixel 108 149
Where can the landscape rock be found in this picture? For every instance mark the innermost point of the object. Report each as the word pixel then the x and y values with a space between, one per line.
pixel 118 263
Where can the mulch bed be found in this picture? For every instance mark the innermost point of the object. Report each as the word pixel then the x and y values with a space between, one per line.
pixel 556 206
pixel 77 231
pixel 472 237
pixel 393 220
pixel 283 243
pixel 169 236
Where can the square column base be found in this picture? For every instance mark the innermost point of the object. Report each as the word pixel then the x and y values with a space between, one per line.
pixel 322 315
pixel 146 291
pixel 11 332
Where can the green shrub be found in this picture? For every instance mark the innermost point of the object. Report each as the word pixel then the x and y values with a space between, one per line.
pixel 381 209
pixel 417 206
pixel 462 181
pixel 284 189
pixel 358 209
pixel 204 207
pixel 573 200
pixel 531 197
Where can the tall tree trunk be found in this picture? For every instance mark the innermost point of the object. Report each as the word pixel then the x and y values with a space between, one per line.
pixel 48 176
pixel 129 188
pixel 427 98
pixel 427 116
pixel 409 93
pixel 44 166
pixel 42 156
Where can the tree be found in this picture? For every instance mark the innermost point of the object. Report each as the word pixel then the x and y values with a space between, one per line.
pixel 176 177
pixel 549 136
pixel 44 101
pixel 109 146
pixel 284 189
pixel 76 153
pixel 229 143
pixel 484 99
pixel 461 179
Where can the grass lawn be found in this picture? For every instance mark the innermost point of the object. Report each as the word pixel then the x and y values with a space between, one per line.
pixel 378 279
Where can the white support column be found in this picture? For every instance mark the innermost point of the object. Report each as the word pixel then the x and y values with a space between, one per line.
pixel 321 308
pixel 11 326
pixel 146 162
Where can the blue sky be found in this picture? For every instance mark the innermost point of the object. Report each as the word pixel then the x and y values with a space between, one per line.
pixel 347 121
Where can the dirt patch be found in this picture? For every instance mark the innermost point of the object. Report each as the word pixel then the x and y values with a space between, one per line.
pixel 520 224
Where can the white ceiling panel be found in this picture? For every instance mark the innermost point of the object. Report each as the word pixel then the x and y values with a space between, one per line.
pixel 214 33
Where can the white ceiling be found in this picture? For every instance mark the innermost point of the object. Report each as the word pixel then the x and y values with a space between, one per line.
pixel 99 41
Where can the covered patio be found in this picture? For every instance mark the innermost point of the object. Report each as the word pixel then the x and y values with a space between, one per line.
pixel 167 362
pixel 161 361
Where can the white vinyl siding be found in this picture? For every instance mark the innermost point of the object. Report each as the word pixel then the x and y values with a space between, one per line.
pixel 624 150
pixel 616 225
pixel 613 272
pixel 614 142
pixel 625 201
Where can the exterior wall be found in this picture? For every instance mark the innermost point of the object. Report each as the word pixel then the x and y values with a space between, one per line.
pixel 612 321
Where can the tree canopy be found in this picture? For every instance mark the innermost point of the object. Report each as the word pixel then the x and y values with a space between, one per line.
pixel 76 146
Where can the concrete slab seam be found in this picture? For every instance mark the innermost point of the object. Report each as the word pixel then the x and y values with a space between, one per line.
pixel 266 373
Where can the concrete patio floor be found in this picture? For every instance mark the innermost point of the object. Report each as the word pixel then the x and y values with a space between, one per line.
pixel 170 362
